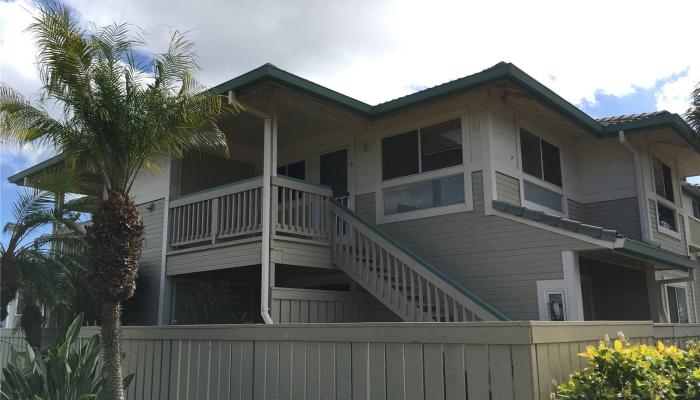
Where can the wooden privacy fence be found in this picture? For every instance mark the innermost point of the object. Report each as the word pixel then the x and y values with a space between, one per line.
pixel 483 360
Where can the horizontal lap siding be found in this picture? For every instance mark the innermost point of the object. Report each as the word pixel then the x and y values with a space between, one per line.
pixel 621 215
pixel 507 188
pixel 239 255
pixel 151 261
pixel 667 242
pixel 365 207
pixel 301 254
pixel 497 259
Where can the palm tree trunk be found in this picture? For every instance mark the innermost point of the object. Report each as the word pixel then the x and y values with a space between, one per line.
pixel 111 351
pixel 31 324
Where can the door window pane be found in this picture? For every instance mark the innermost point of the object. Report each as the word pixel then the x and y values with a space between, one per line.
pixel 426 194
pixel 551 165
pixel 667 217
pixel 531 154
pixel 544 197
pixel 295 170
pixel 677 304
pixel 334 172
pixel 441 146
pixel 696 209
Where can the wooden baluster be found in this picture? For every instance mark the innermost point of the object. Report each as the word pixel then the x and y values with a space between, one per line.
pixel 438 306
pixel 382 282
pixel 454 308
pixel 420 298
pixel 429 296
pixel 304 199
pixel 412 292
pixel 447 307
pixel 215 218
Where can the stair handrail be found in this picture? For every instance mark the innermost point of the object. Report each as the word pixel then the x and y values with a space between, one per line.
pixel 420 262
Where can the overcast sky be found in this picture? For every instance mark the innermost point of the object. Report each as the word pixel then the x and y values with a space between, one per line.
pixel 607 57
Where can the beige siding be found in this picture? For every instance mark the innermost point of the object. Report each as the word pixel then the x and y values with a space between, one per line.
pixel 497 259
pixel 238 255
pixel 144 306
pixel 621 215
pixel 577 211
pixel 365 207
pixel 507 188
pixel 667 242
pixel 301 254
pixel 312 306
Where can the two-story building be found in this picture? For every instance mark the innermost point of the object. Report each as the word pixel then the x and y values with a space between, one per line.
pixel 488 197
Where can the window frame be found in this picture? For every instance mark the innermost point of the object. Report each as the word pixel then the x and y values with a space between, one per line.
pixel 541 182
pixel 463 168
pixel 661 200
pixel 675 287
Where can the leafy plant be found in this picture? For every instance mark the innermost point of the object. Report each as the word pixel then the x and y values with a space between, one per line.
pixel 635 371
pixel 67 370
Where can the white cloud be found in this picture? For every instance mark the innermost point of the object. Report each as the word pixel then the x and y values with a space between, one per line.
pixel 674 96
pixel 378 50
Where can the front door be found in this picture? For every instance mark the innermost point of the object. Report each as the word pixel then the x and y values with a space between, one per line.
pixel 334 173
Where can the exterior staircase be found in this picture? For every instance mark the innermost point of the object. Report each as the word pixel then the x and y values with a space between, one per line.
pixel 408 285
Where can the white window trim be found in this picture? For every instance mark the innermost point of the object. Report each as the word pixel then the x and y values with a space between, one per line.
pixel 541 182
pixel 463 169
pixel 667 305
pixel 544 288
pixel 665 202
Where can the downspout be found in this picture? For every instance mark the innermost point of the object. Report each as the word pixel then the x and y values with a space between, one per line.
pixel 641 186
pixel 265 256
pixel 266 193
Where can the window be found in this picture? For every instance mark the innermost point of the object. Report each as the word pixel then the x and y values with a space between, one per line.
pixel 426 149
pixel 540 159
pixel 426 194
pixel 667 217
pixel 696 208
pixel 295 170
pixel 677 304
pixel 542 196
pixel 663 180
pixel 663 186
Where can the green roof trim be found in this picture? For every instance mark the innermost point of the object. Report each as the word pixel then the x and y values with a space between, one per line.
pixel 691 190
pixel 18 178
pixel 649 253
pixel 499 72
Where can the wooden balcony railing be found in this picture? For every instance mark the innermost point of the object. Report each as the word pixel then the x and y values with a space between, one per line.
pixel 224 213
pixel 227 213
pixel 694 237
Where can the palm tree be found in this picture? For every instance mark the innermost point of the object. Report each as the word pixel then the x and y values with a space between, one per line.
pixel 118 116
pixel 693 113
pixel 31 259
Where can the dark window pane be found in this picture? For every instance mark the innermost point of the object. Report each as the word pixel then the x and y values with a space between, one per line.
pixel 295 170
pixel 696 209
pixel 441 145
pixel 681 305
pixel 530 150
pixel 668 182
pixel 667 218
pixel 334 172
pixel 427 194
pixel 672 303
pixel 400 155
pixel 659 178
pixel 550 164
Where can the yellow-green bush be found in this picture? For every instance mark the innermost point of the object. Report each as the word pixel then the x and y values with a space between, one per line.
pixel 621 370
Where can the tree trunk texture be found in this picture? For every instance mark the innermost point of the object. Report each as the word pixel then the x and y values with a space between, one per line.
pixel 111 351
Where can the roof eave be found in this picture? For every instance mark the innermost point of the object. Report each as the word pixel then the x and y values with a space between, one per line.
pixel 18 178
pixel 673 121
pixel 645 252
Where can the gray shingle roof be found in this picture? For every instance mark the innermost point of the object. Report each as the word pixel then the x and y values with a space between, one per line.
pixel 621 119
pixel 596 232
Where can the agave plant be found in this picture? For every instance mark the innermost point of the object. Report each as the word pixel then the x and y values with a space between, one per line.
pixel 68 370
pixel 118 118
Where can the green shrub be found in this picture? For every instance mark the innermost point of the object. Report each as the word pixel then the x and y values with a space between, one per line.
pixel 635 371
pixel 67 370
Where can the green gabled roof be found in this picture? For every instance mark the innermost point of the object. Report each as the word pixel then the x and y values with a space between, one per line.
pixel 18 178
pixel 691 190
pixel 500 72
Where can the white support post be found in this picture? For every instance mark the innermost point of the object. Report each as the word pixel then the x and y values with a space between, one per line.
pixel 266 197
pixel 572 281
pixel 164 298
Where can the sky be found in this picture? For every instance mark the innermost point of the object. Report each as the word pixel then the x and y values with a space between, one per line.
pixel 606 57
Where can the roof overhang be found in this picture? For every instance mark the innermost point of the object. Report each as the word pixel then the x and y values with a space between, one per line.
pixel 647 253
pixel 18 178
